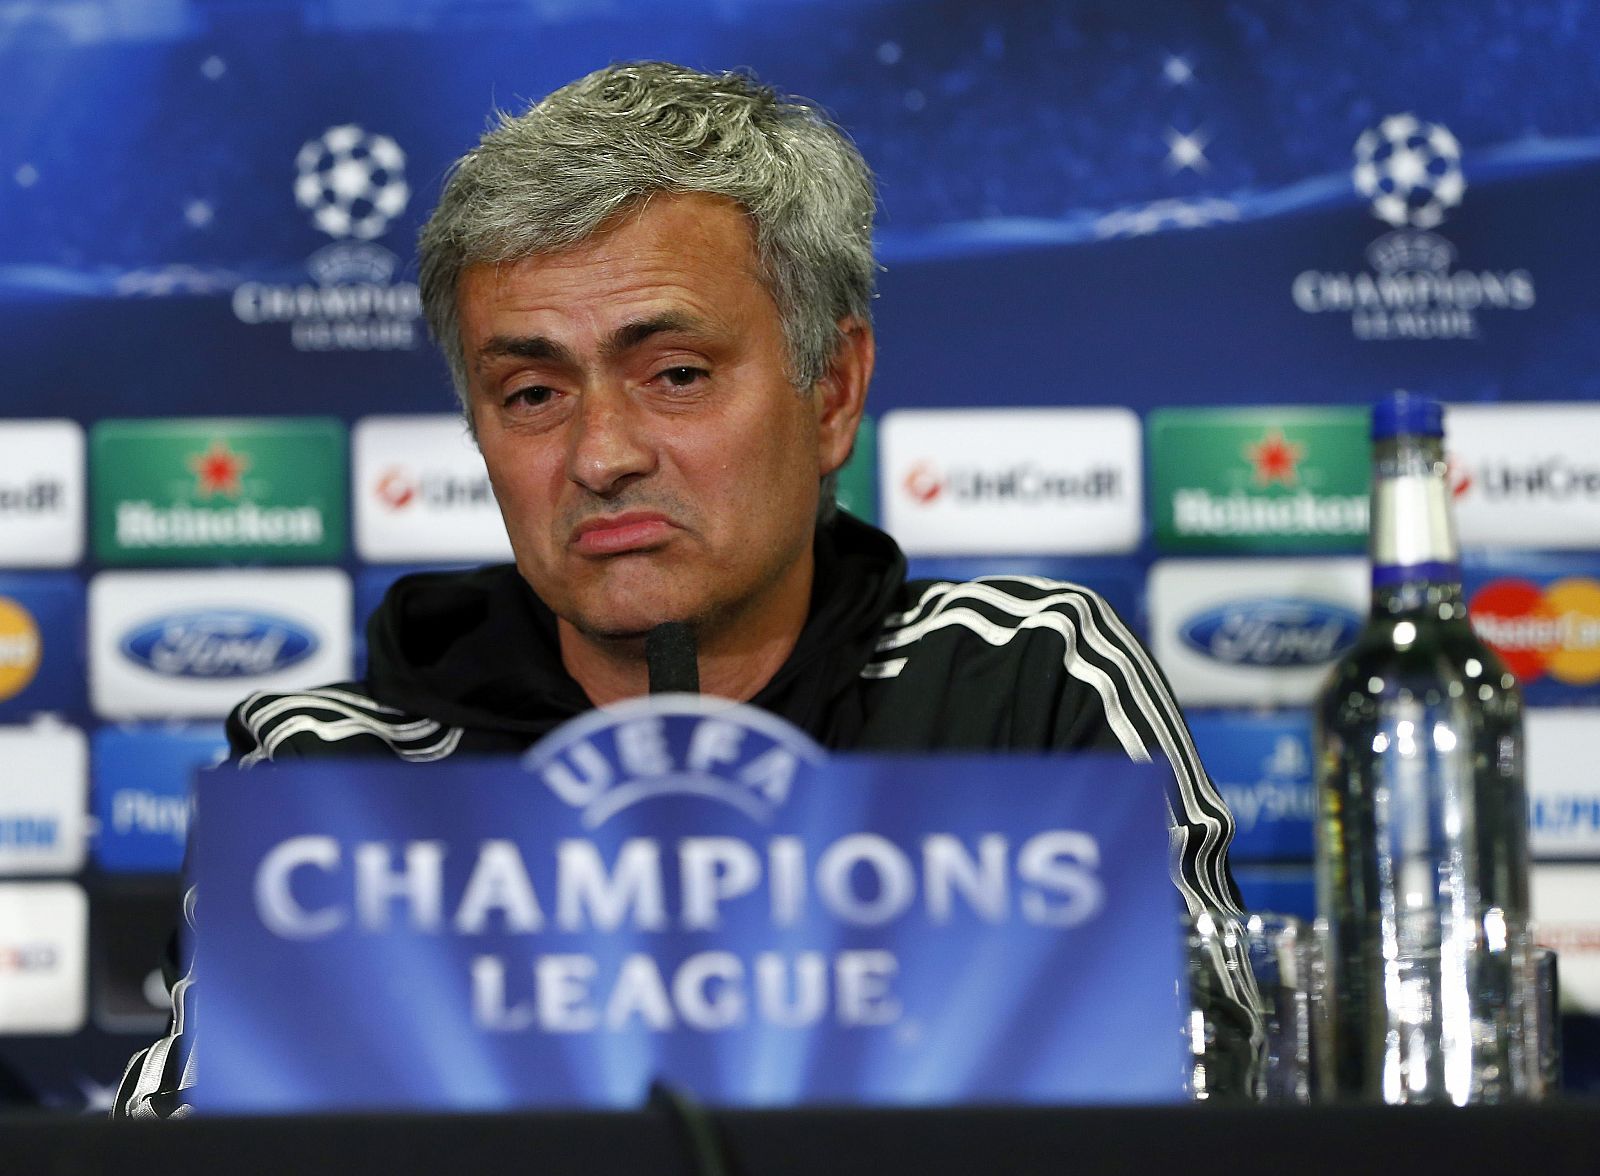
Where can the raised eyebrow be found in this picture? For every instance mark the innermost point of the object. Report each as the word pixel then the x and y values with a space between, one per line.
pixel 538 347
pixel 625 337
pixel 630 335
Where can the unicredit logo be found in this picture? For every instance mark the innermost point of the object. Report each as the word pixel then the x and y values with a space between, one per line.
pixel 218 643
pixel 1023 482
pixel 1272 631
pixel 1555 479
pixel 399 488
pixel 31 498
pixel 923 482
pixel 28 957
pixel 396 488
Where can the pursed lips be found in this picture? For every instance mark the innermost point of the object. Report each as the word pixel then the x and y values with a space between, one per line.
pixel 621 533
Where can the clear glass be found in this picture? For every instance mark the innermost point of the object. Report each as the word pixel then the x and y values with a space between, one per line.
pixel 1422 859
pixel 1255 992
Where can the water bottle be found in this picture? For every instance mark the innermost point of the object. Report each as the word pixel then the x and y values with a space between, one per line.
pixel 1422 847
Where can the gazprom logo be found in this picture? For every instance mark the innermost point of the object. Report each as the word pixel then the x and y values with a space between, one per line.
pixel 1275 631
pixel 673 745
pixel 218 643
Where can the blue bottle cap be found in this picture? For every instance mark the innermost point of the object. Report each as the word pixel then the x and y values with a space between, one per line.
pixel 1406 414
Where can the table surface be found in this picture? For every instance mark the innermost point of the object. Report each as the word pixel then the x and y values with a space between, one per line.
pixel 1553 1138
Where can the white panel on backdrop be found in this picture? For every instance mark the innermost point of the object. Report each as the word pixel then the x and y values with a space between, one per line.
pixel 44 794
pixel 41 493
pixel 1566 917
pixel 1012 481
pixel 1563 789
pixel 422 493
pixel 193 644
pixel 44 936
pixel 1525 475
pixel 1254 631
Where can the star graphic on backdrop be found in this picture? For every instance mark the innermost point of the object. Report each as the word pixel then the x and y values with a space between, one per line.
pixel 1186 151
pixel 217 470
pixel 1176 70
pixel 1275 459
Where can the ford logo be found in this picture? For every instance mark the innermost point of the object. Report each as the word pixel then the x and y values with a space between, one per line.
pixel 218 643
pixel 1273 631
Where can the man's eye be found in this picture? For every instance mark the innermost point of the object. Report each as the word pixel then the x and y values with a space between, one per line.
pixel 683 377
pixel 532 396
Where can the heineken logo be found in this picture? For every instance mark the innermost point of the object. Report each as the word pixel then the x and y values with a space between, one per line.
pixel 217 470
pixel 143 524
pixel 1199 512
pixel 1275 459
pixel 1259 479
pixel 171 491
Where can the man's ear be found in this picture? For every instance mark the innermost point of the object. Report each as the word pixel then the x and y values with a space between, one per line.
pixel 841 394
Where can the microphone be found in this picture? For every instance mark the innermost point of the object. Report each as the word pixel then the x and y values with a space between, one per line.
pixel 669 654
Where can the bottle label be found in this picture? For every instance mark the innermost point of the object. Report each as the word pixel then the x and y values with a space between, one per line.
pixel 1412 534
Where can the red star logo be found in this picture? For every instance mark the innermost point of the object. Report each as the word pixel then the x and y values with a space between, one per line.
pixel 217 470
pixel 1275 459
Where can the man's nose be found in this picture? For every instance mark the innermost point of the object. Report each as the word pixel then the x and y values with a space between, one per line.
pixel 608 443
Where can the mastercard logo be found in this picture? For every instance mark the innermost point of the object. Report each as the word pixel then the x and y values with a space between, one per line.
pixel 19 648
pixel 1539 630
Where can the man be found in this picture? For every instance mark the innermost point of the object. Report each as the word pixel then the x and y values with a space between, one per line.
pixel 653 290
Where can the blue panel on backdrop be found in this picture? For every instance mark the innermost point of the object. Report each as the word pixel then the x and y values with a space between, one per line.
pixel 885 931
pixel 41 643
pixel 141 788
pixel 1261 763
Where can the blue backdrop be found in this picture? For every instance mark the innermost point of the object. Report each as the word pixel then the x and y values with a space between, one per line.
pixel 1084 202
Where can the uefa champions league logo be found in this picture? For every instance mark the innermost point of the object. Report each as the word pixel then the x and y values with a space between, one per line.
pixel 1410 170
pixel 351 182
pixel 673 745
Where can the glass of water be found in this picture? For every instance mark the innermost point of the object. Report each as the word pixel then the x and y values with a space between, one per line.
pixel 1256 1019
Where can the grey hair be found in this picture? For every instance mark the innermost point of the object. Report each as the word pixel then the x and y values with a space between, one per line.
pixel 547 179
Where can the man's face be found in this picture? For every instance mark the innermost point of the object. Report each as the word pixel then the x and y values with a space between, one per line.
pixel 650 456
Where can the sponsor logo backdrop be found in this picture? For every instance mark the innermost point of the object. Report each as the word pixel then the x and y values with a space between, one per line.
pixel 1089 214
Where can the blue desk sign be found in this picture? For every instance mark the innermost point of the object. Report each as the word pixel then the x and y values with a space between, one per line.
pixel 685 889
